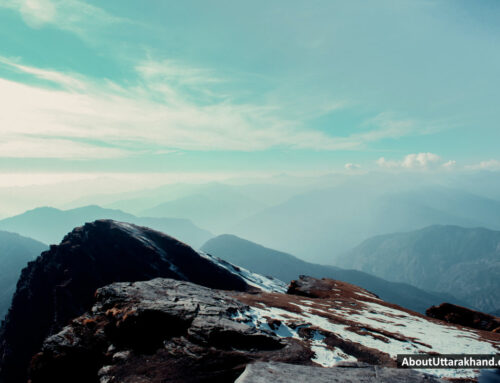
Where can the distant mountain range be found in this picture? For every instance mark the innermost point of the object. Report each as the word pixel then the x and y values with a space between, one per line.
pixel 286 267
pixel 49 225
pixel 320 224
pixel 214 206
pixel 15 252
pixel 461 261
pixel 217 208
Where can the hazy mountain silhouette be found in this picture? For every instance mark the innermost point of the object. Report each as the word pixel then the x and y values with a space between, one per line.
pixel 318 225
pixel 15 252
pixel 216 207
pixel 461 261
pixel 49 225
pixel 286 267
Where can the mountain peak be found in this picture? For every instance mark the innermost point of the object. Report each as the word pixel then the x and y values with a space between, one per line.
pixel 60 284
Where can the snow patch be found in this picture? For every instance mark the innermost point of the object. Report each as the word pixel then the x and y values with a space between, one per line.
pixel 327 356
pixel 253 279
pixel 323 355
pixel 420 335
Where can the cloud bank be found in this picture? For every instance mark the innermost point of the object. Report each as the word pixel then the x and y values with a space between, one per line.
pixel 66 115
pixel 417 161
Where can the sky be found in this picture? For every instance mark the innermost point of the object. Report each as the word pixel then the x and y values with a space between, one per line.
pixel 256 87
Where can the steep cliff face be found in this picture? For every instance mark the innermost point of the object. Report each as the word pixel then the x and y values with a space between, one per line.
pixel 60 284
pixel 165 330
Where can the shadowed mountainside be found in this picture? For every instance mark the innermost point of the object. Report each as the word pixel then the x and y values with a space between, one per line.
pixel 461 261
pixel 286 267
pixel 15 253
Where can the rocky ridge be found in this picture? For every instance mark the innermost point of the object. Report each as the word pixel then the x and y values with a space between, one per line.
pixel 60 284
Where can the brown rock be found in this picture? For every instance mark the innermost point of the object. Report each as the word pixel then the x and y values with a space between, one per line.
pixel 147 331
pixel 463 316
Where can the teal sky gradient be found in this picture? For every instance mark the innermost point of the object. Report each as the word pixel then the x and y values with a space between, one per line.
pixel 193 86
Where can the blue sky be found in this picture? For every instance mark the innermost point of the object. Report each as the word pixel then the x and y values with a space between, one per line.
pixel 260 86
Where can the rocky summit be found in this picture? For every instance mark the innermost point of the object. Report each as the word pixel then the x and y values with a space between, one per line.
pixel 116 302
pixel 60 284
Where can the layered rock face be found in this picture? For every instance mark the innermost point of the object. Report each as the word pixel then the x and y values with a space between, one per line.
pixel 60 284
pixel 465 317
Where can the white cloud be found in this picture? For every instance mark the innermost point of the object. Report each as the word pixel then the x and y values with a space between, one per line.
pixel 55 148
pixel 74 16
pixel 351 166
pixel 175 71
pixel 63 80
pixel 382 162
pixel 486 165
pixel 392 126
pixel 450 164
pixel 37 12
pixel 420 160
pixel 417 161
pixel 157 114
pixel 160 113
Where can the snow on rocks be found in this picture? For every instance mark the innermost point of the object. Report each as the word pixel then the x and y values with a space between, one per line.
pixel 256 280
pixel 356 325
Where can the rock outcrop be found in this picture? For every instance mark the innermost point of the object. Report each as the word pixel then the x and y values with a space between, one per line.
pixel 156 330
pixel 465 317
pixel 60 284
pixel 272 372
pixel 167 330
pixel 326 288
